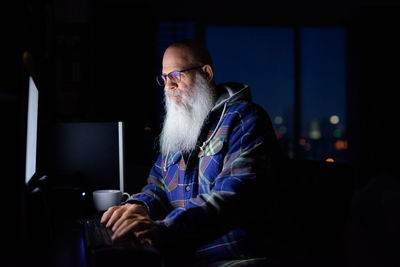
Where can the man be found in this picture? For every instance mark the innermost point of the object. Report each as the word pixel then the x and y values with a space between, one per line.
pixel 207 194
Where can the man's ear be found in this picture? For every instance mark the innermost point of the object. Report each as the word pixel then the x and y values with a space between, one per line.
pixel 208 72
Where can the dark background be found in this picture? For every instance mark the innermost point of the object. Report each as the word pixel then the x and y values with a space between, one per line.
pixel 96 61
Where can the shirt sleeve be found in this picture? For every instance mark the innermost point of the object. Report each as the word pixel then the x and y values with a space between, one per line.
pixel 153 195
pixel 235 196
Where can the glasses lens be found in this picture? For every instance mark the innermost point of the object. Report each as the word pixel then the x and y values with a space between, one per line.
pixel 175 76
pixel 160 79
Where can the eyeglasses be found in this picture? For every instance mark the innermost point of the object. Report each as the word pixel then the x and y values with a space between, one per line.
pixel 174 76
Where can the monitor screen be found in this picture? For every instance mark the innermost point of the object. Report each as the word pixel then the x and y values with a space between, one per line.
pixel 31 133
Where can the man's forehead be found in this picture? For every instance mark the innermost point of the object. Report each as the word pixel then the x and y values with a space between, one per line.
pixel 175 59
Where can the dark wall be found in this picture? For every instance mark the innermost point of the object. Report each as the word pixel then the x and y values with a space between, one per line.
pixel 378 92
pixel 122 50
pixel 11 134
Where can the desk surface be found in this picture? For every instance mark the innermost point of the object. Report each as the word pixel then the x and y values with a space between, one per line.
pixel 68 245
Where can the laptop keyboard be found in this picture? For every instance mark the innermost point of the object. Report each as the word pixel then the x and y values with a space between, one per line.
pixel 97 235
pixel 101 250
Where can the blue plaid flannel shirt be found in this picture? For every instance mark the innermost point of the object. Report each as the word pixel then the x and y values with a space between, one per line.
pixel 201 200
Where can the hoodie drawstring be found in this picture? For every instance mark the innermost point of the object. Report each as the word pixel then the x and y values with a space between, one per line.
pixel 165 162
pixel 216 128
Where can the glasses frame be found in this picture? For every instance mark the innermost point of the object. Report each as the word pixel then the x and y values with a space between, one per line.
pixel 163 77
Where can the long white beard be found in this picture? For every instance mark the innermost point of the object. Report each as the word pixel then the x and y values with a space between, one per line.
pixel 184 119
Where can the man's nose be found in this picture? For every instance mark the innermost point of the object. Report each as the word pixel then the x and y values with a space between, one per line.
pixel 170 85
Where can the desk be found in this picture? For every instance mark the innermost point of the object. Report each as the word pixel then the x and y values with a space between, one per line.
pixel 68 247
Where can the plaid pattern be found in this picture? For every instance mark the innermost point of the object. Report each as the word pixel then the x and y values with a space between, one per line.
pixel 194 200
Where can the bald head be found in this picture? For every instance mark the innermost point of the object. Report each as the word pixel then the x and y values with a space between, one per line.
pixel 194 52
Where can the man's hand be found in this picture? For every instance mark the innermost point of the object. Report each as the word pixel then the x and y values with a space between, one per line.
pixel 132 219
pixel 113 214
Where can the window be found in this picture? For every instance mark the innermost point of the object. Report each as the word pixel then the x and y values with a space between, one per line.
pixel 264 58
pixel 323 115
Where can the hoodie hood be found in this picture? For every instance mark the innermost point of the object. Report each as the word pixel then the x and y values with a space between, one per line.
pixel 230 93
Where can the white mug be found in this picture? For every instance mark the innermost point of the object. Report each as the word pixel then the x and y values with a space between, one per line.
pixel 103 199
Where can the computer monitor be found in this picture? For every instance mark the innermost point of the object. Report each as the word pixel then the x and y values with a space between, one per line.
pixel 89 155
pixel 36 220
pixel 121 153
pixel 31 130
